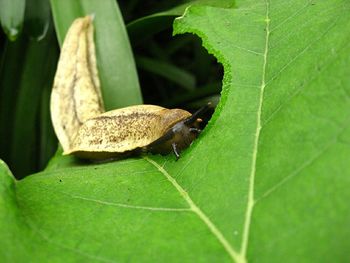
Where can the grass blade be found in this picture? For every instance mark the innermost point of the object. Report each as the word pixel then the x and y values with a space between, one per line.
pixel 11 17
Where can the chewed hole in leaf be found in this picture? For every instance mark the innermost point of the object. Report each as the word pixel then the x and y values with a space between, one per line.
pixel 177 72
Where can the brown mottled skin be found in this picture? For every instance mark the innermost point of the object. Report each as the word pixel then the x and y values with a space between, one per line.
pixel 134 128
pixel 76 94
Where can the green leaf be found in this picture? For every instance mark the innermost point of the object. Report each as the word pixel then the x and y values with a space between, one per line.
pixel 266 181
pixel 48 140
pixel 9 222
pixel 288 171
pixel 203 92
pixel 37 18
pixel 168 71
pixel 27 66
pixel 10 67
pixel 117 71
pixel 39 60
pixel 11 17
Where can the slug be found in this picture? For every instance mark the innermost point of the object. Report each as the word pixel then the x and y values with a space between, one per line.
pixel 83 127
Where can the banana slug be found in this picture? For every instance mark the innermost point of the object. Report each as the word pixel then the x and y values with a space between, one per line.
pixel 83 127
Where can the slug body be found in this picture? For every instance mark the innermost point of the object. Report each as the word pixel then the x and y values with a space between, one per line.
pixel 134 129
pixel 84 128
pixel 76 94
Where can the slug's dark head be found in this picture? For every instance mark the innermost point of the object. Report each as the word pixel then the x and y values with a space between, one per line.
pixel 179 136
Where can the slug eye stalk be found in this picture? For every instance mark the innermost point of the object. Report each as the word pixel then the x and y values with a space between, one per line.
pixel 189 121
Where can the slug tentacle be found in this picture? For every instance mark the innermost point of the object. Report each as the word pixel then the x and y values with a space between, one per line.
pixel 197 114
pixel 175 151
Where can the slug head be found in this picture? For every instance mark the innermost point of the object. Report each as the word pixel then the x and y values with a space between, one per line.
pixel 179 136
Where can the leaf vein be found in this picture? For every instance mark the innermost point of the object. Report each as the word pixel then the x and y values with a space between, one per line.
pixel 290 62
pixel 291 16
pixel 27 222
pixel 165 209
pixel 250 202
pixel 297 91
pixel 230 44
pixel 214 230
pixel 306 164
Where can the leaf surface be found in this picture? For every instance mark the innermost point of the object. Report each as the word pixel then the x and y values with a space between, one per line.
pixel 266 181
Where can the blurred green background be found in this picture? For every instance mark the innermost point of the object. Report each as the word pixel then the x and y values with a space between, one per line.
pixel 173 71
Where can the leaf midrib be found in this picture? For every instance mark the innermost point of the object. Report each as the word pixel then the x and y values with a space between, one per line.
pixel 251 201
